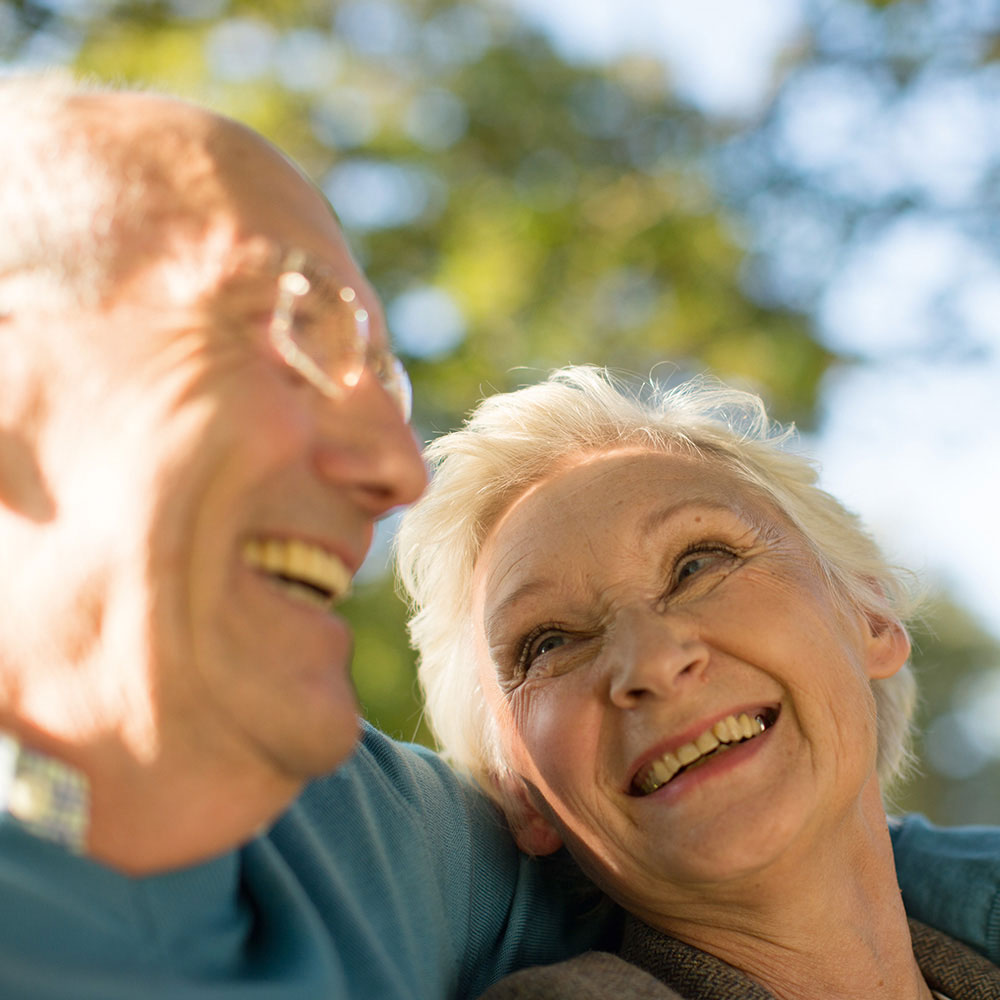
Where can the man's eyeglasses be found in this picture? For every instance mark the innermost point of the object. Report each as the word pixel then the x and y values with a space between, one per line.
pixel 321 330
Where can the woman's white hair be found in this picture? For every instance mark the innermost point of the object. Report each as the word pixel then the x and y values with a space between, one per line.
pixel 514 440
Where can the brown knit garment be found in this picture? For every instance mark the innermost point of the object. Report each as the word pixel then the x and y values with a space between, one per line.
pixel 654 966
pixel 948 966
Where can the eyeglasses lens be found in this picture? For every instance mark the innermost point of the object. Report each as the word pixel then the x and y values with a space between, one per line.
pixel 323 333
pixel 330 329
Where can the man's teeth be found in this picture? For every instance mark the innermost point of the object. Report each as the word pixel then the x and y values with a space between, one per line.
pixel 305 571
pixel 731 729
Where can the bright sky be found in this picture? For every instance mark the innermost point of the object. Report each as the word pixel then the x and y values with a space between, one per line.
pixel 907 438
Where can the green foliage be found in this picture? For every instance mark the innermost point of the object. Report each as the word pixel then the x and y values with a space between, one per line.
pixel 384 672
pixel 954 658
pixel 573 221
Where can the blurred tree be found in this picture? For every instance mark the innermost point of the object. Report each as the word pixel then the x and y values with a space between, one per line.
pixel 873 147
pixel 958 737
pixel 517 212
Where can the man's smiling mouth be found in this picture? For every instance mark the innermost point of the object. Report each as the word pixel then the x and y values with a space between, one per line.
pixel 716 740
pixel 305 572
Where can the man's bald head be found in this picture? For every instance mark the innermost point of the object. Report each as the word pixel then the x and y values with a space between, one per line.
pixel 96 184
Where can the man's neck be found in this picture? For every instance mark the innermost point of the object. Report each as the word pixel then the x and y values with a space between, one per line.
pixel 145 817
pixel 162 822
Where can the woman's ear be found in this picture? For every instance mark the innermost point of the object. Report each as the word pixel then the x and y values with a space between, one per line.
pixel 533 832
pixel 888 647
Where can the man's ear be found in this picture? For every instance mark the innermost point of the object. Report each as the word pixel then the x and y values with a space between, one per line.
pixel 22 485
pixel 887 647
pixel 531 829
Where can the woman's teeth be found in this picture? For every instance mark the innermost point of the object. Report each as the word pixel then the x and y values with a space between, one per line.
pixel 726 732
pixel 305 572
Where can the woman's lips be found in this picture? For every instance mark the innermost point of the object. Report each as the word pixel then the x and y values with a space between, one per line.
pixel 716 739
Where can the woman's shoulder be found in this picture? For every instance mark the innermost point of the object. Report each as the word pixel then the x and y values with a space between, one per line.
pixel 952 968
pixel 595 975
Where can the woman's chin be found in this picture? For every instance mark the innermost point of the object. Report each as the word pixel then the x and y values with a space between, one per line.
pixel 722 855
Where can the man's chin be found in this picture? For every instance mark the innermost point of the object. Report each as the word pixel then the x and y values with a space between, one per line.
pixel 321 747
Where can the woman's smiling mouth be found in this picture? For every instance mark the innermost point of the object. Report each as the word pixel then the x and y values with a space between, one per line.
pixel 715 740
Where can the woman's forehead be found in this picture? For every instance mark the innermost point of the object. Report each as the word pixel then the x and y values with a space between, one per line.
pixel 635 490
pixel 630 478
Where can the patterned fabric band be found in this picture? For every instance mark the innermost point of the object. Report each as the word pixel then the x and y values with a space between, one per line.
pixel 50 799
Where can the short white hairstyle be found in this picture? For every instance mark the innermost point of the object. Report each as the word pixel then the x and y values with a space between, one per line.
pixel 514 440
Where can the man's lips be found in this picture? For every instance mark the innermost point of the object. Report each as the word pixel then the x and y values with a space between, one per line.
pixel 716 739
pixel 303 570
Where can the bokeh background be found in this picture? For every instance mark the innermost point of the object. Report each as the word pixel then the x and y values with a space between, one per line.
pixel 800 196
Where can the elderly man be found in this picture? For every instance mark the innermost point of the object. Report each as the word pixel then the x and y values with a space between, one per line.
pixel 200 422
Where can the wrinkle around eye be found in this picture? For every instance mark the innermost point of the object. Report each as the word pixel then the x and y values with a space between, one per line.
pixel 536 647
pixel 573 650
pixel 716 559
pixel 720 560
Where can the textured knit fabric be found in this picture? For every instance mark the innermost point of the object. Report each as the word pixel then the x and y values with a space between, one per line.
pixel 653 966
pixel 593 976
pixel 390 879
pixel 947 965
pixel 953 969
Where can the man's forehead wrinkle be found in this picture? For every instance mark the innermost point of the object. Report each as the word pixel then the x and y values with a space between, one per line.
pixel 172 185
pixel 196 210
pixel 170 144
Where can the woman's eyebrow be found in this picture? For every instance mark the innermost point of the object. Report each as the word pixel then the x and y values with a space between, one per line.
pixel 662 515
pixel 495 619
pixel 653 521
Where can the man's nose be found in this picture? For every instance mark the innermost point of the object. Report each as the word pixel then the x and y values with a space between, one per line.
pixel 366 447
pixel 653 655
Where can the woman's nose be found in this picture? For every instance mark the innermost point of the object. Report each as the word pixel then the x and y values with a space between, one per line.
pixel 653 655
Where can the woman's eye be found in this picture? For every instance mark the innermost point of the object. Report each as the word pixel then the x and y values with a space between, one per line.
pixel 692 566
pixel 545 644
pixel 545 641
pixel 698 562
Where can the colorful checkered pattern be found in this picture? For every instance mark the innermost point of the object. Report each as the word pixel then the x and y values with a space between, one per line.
pixel 49 798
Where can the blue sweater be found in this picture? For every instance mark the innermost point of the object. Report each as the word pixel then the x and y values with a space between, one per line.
pixel 389 879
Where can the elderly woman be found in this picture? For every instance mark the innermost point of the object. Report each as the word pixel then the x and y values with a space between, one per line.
pixel 652 637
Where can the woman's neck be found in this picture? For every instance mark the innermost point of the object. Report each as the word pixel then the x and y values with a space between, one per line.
pixel 826 922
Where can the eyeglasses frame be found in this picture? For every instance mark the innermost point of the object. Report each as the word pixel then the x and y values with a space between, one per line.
pixel 293 284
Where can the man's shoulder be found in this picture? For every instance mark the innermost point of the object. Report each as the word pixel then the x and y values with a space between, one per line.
pixel 404 778
pixel 950 879
pixel 429 859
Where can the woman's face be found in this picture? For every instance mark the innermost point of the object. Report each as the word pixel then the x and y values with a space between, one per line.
pixel 640 610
